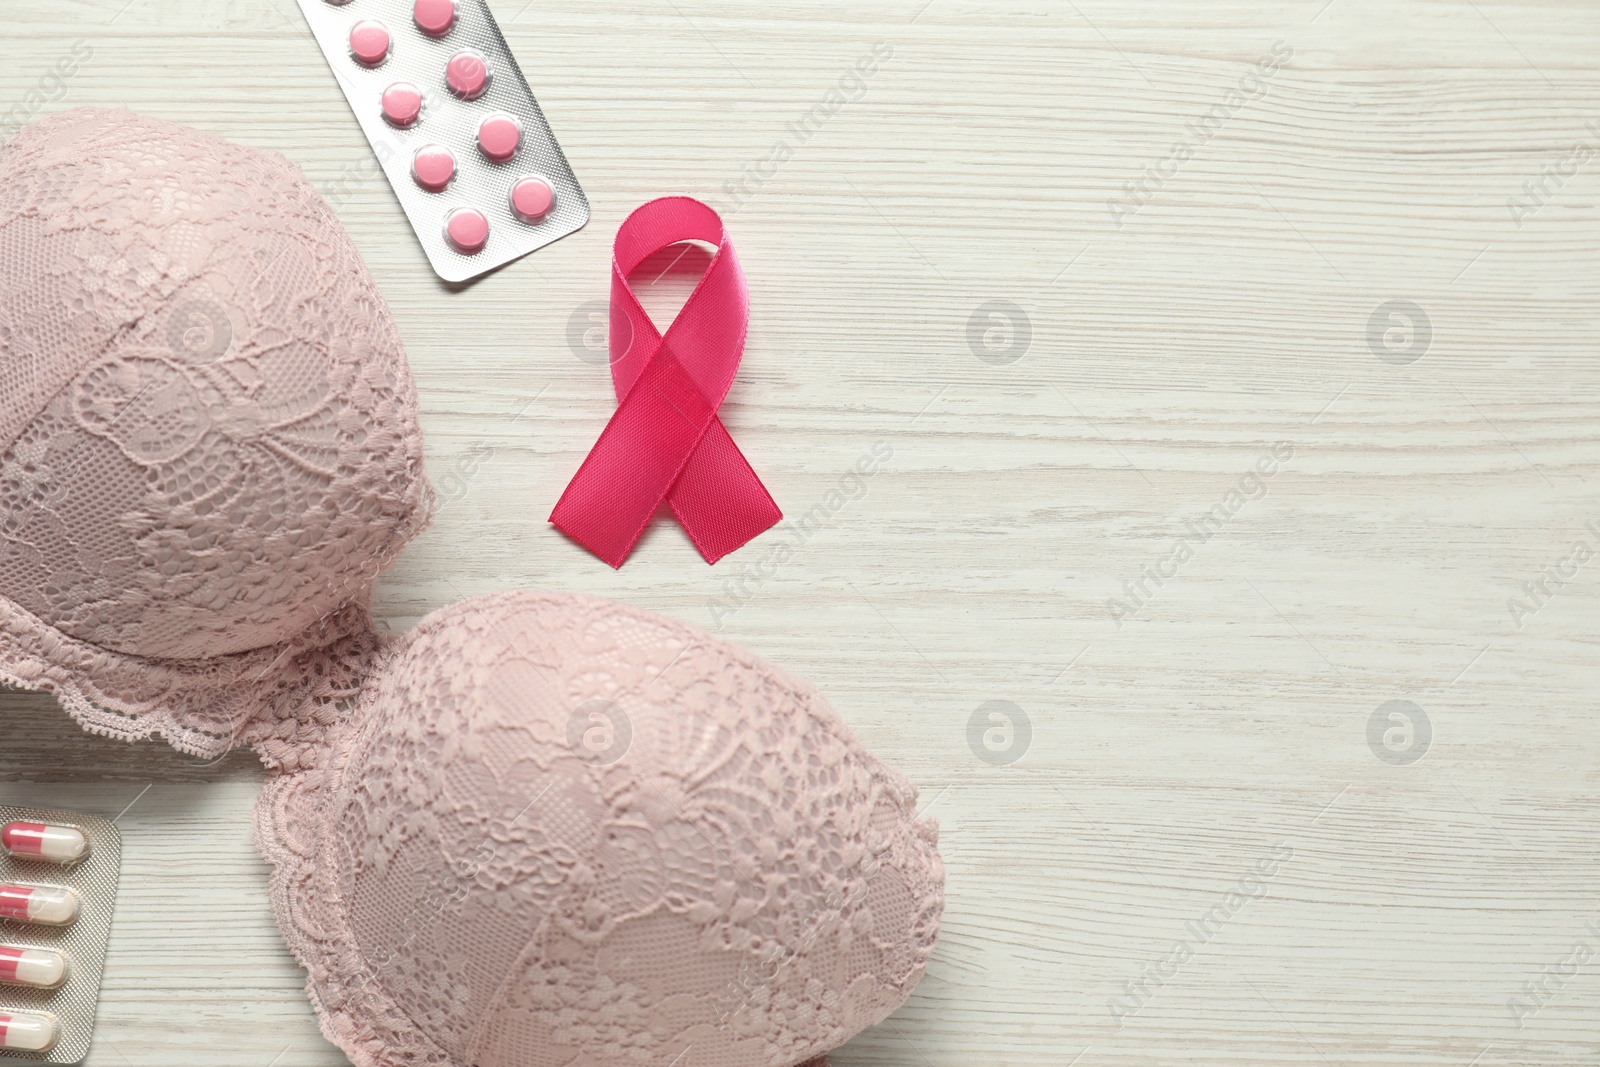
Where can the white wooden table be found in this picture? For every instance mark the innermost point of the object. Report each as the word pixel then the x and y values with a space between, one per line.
pixel 1193 853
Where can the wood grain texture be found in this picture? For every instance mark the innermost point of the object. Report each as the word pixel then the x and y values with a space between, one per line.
pixel 1213 743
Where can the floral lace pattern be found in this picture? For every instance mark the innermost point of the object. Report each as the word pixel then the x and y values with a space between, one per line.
pixel 278 699
pixel 555 832
pixel 208 435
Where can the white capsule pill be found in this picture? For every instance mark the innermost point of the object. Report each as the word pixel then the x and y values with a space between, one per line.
pixel 36 967
pixel 27 1033
pixel 47 905
pixel 37 840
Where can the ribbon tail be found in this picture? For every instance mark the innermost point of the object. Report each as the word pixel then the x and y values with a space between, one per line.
pixel 718 499
pixel 635 463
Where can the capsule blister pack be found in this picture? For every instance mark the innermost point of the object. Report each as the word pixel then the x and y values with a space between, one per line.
pixel 458 132
pixel 58 888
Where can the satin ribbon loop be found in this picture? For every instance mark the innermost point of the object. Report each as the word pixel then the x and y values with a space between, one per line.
pixel 665 442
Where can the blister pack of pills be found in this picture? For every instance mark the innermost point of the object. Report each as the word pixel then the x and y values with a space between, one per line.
pixel 58 888
pixel 455 126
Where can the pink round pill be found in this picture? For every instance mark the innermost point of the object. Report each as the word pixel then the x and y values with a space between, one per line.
pixel 467 74
pixel 467 230
pixel 402 104
pixel 499 136
pixel 532 198
pixel 433 166
pixel 369 42
pixel 434 17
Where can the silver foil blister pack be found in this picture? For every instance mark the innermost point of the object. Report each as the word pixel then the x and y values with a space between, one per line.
pixel 409 70
pixel 82 943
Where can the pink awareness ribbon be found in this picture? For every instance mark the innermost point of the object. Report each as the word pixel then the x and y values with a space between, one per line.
pixel 665 441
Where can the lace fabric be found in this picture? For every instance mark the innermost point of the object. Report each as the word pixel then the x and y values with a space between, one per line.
pixel 555 832
pixel 277 699
pixel 208 436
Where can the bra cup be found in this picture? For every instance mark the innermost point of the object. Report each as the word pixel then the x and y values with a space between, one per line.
pixel 207 428
pixel 560 832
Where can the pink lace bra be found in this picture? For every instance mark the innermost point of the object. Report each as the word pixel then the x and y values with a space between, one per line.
pixel 539 830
